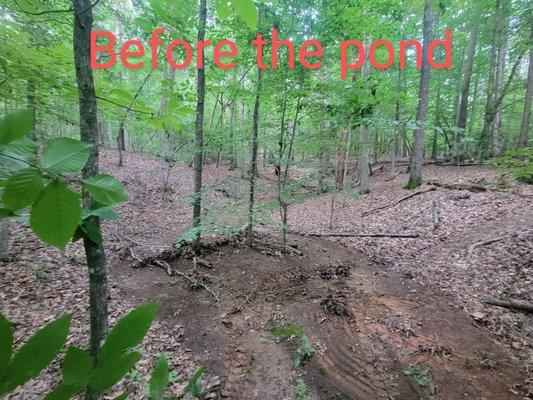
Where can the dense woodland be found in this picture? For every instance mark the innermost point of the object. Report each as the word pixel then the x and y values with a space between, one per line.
pixel 284 164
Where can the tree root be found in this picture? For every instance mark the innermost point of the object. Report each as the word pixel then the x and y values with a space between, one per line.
pixel 474 246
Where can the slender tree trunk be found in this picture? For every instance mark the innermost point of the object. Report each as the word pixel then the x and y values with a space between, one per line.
pixel 438 106
pixel 96 260
pixel 473 104
pixel 32 107
pixel 500 71
pixel 524 127
pixel 364 148
pixel 4 237
pixel 462 116
pixel 417 155
pixel 199 133
pixel 253 163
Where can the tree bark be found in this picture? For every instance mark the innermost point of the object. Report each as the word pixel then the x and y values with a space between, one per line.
pixel 524 127
pixel 462 116
pixel 4 237
pixel 96 260
pixel 32 107
pixel 417 155
pixel 199 133
pixel 253 163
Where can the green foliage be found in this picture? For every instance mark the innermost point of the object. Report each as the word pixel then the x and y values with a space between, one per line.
pixel 301 390
pixel 195 386
pixel 39 351
pixel 159 380
pixel 56 214
pixel 65 155
pixel 422 376
pixel 245 10
pixel 117 355
pixel 304 352
pixel 517 163
pixel 79 369
pixel 287 332
pixel 15 126
pixel 105 189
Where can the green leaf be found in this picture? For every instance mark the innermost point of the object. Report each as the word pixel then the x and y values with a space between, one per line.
pixel 56 214
pixel 122 396
pixel 65 155
pixel 247 11
pixel 159 379
pixel 15 126
pixel 77 367
pixel 105 189
pixel 39 351
pixel 109 373
pixel 6 213
pixel 98 210
pixel 14 155
pixel 92 232
pixel 194 386
pixel 116 356
pixel 6 344
pixel 223 9
pixel 23 188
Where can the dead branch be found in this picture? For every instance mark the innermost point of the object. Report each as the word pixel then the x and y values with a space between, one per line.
pixel 198 262
pixel 349 234
pixel 511 304
pixel 398 201
pixel 474 246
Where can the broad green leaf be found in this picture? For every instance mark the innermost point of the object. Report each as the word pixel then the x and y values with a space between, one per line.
pixel 109 373
pixel 77 367
pixel 6 344
pixel 159 379
pixel 247 11
pixel 223 9
pixel 65 155
pixel 23 188
pixel 128 332
pixel 106 189
pixel 14 156
pixel 92 232
pixel 98 210
pixel 56 214
pixel 6 213
pixel 39 351
pixel 15 126
pixel 122 396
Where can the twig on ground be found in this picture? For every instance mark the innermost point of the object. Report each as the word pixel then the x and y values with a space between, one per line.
pixel 435 214
pixel 398 201
pixel 474 246
pixel 349 234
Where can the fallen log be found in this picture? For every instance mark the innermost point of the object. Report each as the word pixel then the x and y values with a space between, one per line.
pixel 435 215
pixel 398 201
pixel 471 187
pixel 511 304
pixel 349 234
pixel 474 246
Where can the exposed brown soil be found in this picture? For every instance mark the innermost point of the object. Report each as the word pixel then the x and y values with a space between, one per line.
pixel 368 324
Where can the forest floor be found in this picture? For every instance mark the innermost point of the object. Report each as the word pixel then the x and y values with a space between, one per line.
pixel 372 308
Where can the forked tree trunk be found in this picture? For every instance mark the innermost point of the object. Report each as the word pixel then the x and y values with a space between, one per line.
pixel 96 260
pixel 199 133
pixel 524 127
pixel 417 155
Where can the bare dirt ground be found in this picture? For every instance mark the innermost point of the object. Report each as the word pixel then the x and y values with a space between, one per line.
pixel 371 307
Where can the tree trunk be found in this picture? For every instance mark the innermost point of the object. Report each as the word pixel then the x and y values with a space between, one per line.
pixel 96 260
pixel 199 133
pixel 32 107
pixel 495 149
pixel 4 238
pixel 438 106
pixel 417 154
pixel 253 163
pixel 524 128
pixel 462 116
